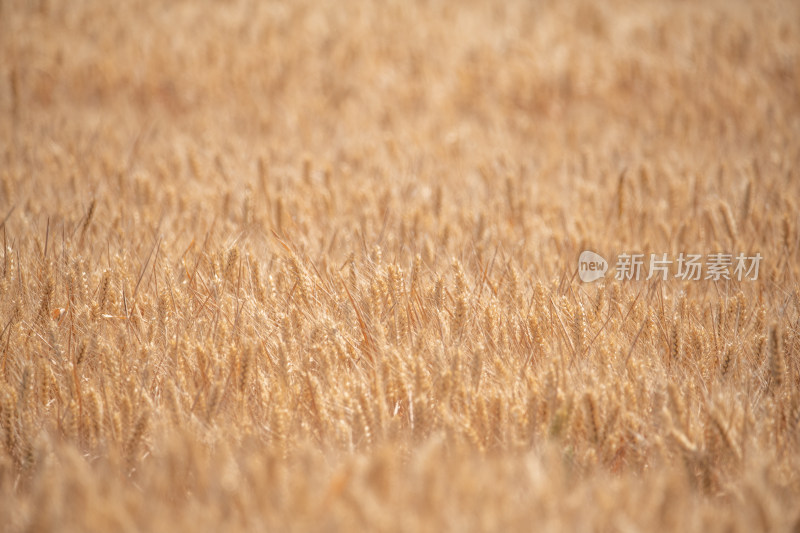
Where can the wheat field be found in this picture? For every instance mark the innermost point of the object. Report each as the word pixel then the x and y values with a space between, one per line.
pixel 313 266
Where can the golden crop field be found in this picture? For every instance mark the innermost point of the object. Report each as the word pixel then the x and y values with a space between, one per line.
pixel 314 266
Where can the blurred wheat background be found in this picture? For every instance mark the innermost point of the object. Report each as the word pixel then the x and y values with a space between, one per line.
pixel 310 266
